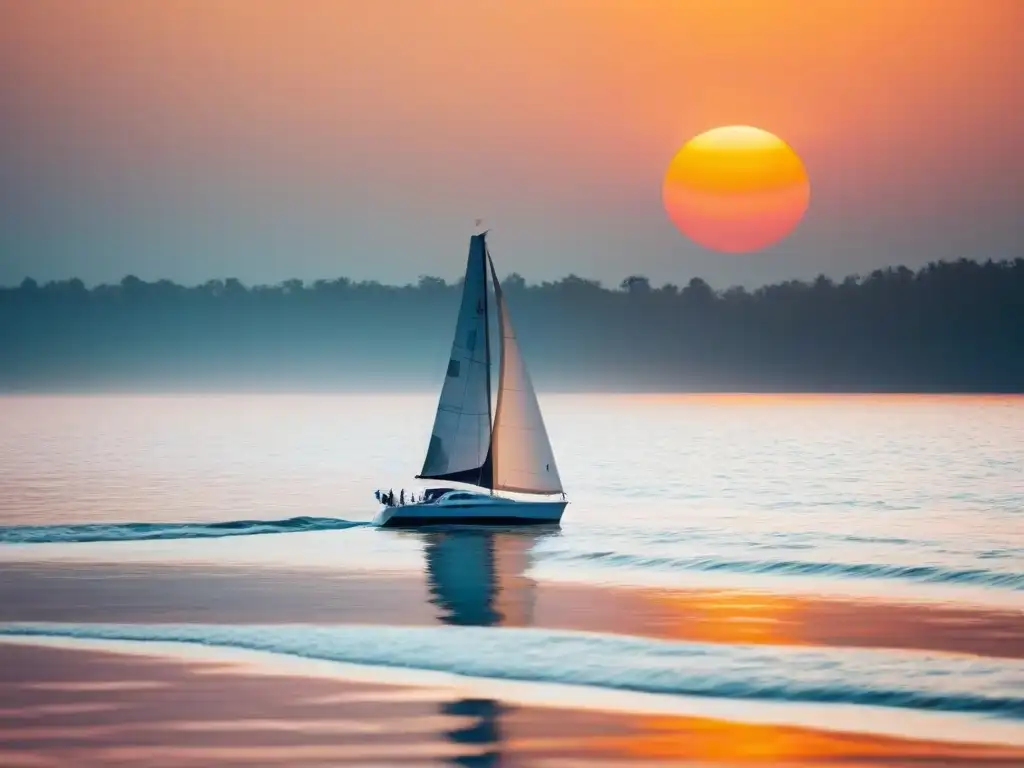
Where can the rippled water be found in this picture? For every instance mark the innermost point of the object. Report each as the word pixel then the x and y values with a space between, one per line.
pixel 881 497
pixel 913 495
pixel 653 666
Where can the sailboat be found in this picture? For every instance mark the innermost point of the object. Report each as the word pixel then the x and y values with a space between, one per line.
pixel 508 453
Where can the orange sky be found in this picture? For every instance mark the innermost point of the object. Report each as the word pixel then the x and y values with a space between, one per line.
pixel 553 119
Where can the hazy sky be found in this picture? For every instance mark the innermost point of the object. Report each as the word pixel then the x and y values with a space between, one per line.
pixel 268 139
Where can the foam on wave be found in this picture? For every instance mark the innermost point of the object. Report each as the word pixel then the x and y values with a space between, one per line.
pixel 910 680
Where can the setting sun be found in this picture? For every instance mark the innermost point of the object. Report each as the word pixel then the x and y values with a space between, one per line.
pixel 736 189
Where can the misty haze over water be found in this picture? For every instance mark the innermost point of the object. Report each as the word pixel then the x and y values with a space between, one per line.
pixel 947 327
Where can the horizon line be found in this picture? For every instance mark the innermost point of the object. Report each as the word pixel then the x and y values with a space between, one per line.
pixel 1007 261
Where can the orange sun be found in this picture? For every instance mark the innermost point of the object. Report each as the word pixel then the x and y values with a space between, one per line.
pixel 736 189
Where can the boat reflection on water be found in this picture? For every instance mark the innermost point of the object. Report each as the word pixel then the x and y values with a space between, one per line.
pixel 477 577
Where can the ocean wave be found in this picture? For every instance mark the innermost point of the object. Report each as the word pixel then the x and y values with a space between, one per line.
pixel 908 680
pixel 776 540
pixel 933 574
pixel 95 532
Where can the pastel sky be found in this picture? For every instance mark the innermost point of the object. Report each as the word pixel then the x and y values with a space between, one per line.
pixel 269 139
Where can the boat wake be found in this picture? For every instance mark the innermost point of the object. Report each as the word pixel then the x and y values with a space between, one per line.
pixel 908 680
pixel 931 574
pixel 96 532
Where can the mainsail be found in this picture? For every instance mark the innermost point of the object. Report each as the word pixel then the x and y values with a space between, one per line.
pixel 461 437
pixel 515 454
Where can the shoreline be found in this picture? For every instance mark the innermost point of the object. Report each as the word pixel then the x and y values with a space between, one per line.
pixel 619 726
pixel 849 719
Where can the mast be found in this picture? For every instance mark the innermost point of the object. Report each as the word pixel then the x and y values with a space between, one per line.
pixel 485 257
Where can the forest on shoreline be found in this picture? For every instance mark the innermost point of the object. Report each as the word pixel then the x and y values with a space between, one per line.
pixel 947 327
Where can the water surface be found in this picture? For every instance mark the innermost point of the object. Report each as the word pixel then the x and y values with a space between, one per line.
pixel 819 552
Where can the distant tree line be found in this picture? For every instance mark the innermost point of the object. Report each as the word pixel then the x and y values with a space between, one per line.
pixel 947 327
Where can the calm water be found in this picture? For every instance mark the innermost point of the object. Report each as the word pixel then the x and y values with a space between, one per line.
pixel 915 496
pixel 881 498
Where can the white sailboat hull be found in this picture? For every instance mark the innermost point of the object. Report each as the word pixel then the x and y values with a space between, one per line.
pixel 493 510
